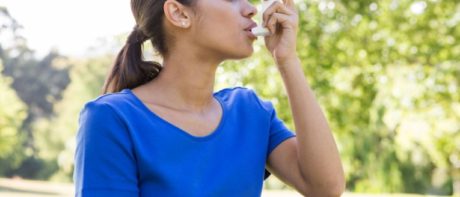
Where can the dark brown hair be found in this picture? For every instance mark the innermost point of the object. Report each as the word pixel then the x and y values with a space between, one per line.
pixel 130 69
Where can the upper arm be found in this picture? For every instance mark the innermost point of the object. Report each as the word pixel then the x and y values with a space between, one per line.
pixel 283 163
pixel 104 160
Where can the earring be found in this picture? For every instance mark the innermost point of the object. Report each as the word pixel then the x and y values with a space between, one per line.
pixel 183 24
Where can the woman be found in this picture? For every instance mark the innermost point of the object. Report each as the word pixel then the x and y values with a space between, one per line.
pixel 161 131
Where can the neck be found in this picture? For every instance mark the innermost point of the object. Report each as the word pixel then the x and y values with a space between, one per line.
pixel 186 81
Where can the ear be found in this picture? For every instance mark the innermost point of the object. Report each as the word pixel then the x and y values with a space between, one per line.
pixel 177 14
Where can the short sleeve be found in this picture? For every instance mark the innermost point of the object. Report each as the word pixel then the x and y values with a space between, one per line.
pixel 278 131
pixel 104 160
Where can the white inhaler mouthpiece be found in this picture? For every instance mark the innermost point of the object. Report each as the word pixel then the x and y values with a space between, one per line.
pixel 260 30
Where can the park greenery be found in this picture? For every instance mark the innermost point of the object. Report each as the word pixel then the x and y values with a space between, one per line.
pixel 386 73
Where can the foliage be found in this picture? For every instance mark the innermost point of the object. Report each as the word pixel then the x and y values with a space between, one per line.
pixel 38 83
pixel 12 114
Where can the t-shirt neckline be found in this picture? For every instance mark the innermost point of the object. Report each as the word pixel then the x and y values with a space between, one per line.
pixel 211 135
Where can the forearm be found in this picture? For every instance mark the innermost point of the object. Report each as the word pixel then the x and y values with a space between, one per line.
pixel 318 157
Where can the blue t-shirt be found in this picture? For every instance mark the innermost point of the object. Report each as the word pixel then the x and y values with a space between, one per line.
pixel 125 149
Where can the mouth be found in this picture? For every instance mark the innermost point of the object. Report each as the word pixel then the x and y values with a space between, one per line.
pixel 249 29
pixel 250 26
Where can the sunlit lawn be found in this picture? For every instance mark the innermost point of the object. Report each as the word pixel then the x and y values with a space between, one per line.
pixel 27 188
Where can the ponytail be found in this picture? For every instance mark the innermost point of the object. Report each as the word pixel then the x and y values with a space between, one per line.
pixel 129 69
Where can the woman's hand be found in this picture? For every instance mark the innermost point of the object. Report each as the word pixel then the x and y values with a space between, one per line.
pixel 282 21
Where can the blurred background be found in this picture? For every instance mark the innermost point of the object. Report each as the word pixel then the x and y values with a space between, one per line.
pixel 386 73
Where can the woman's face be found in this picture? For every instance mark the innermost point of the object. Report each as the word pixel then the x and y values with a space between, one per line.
pixel 224 27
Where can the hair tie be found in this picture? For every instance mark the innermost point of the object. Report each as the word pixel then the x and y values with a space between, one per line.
pixel 137 36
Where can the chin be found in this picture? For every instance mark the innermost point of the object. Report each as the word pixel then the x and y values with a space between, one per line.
pixel 243 53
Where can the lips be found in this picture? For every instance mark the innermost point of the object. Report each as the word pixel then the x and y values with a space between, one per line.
pixel 249 28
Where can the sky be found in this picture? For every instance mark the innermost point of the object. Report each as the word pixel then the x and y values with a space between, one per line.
pixel 70 26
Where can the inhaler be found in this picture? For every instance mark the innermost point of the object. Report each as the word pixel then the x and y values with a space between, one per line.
pixel 260 30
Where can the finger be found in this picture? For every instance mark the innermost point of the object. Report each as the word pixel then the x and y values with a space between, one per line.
pixel 290 4
pixel 275 19
pixel 276 7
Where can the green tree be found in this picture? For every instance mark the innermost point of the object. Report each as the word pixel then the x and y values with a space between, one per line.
pixel 38 83
pixel 12 114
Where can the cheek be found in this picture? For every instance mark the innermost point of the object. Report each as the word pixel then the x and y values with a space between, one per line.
pixel 218 19
pixel 219 28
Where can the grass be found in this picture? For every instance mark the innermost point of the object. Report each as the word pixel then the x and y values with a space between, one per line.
pixel 29 188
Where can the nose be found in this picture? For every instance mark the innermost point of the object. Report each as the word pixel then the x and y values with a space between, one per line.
pixel 250 10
